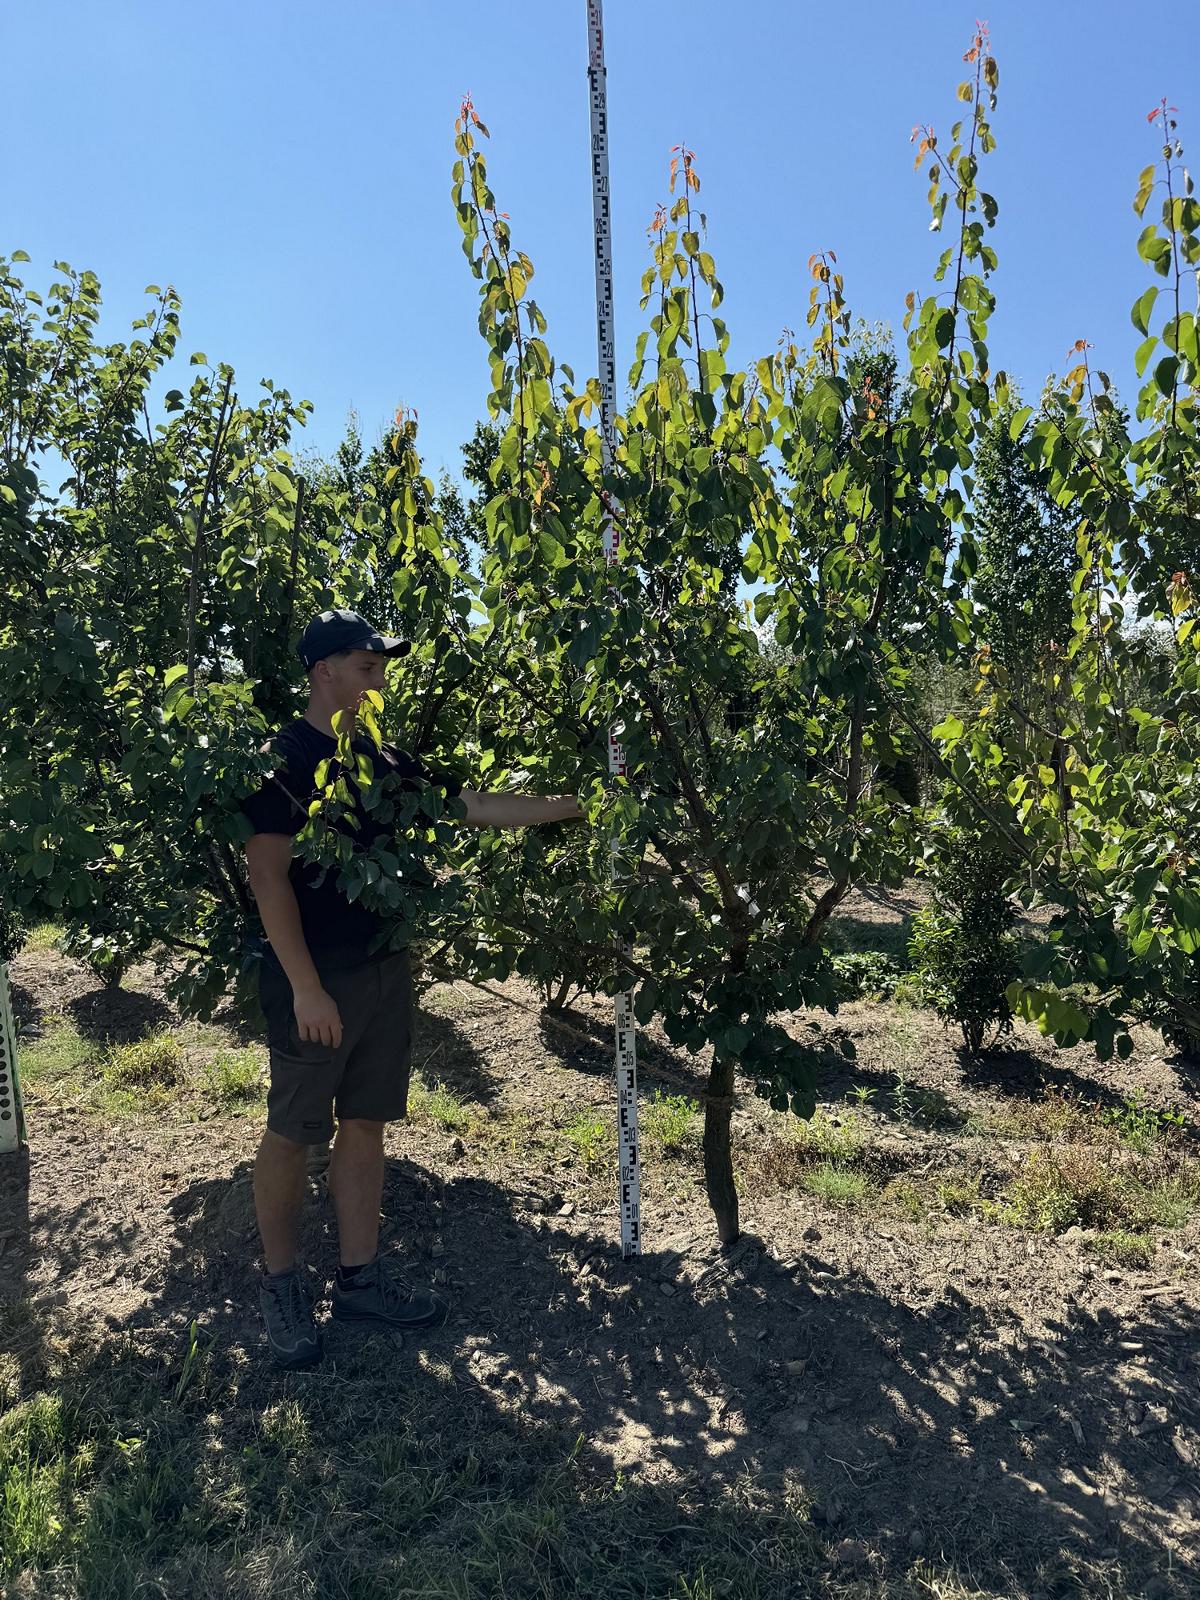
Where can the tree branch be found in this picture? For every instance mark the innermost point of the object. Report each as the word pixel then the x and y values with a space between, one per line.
pixel 198 547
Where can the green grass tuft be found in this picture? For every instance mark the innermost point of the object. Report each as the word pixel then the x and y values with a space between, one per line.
pixel 155 1062
pixel 1168 1200
pixel 235 1079
pixel 836 1185
pixel 904 1198
pixel 43 1466
pixel 788 1155
pixel 591 1136
pixel 1121 1249
pixel 60 1053
pixel 1075 1185
pixel 1140 1126
pixel 441 1105
pixel 960 1196
pixel 671 1122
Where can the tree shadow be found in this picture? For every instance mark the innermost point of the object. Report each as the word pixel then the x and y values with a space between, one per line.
pixel 14 1225
pixel 938 1424
pixel 442 1053
pixel 118 1016
pixel 1186 1068
pixel 588 1048
pixel 27 1010
pixel 1010 1071
pixel 890 1097
pixel 889 938
pixel 584 1043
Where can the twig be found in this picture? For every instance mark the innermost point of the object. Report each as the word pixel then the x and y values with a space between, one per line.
pixel 294 559
pixel 198 546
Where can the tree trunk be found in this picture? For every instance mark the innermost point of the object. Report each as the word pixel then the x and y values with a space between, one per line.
pixel 556 999
pixel 718 1150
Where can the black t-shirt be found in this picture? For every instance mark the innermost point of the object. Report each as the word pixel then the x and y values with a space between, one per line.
pixel 338 932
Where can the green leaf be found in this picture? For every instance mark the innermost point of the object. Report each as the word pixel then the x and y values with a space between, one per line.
pixel 1187 339
pixel 1145 188
pixel 1165 373
pixel 1017 426
pixel 1151 244
pixel 1143 308
pixel 1144 351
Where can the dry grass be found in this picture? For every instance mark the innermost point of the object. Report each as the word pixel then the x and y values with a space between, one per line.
pixel 793 1148
pixel 1055 1117
pixel 1073 1185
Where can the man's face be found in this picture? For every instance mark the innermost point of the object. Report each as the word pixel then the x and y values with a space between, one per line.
pixel 347 678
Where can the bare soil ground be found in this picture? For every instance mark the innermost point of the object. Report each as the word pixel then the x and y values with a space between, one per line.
pixel 906 1380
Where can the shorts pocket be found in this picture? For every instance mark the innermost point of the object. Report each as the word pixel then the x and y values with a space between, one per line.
pixel 275 997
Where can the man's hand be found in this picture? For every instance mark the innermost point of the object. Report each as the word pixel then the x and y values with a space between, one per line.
pixel 498 809
pixel 317 1018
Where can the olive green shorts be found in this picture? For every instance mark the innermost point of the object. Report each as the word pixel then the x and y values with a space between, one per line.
pixel 366 1076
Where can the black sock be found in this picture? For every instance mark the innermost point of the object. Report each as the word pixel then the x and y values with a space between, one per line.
pixel 351 1277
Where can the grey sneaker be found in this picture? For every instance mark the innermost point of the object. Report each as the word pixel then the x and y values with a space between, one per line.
pixel 382 1295
pixel 291 1332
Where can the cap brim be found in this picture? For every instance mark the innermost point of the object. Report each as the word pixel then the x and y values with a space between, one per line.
pixel 383 645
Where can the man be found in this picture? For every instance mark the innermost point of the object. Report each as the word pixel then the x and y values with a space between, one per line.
pixel 339 1013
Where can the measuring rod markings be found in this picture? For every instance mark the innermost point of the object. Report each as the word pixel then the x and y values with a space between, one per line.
pixel 626 1031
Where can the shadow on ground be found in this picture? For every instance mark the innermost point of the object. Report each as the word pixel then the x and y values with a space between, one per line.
pixel 442 1053
pixel 117 1016
pixel 663 1395
pixel 585 1044
pixel 1008 1070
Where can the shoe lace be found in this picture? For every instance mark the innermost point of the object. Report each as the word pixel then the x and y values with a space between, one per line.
pixel 394 1287
pixel 289 1298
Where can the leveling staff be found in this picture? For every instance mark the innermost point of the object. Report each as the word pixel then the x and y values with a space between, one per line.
pixel 339 1017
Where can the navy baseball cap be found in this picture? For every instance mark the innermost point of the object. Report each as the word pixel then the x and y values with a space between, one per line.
pixel 334 631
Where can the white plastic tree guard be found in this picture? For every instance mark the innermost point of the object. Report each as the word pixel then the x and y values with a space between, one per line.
pixel 10 1088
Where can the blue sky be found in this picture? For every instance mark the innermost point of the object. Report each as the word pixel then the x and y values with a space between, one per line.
pixel 287 167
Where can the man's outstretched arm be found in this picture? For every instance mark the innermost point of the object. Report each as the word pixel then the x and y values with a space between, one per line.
pixel 499 810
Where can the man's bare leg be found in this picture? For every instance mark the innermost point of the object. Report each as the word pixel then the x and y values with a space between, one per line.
pixel 279 1186
pixel 365 1288
pixel 356 1189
